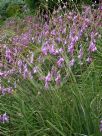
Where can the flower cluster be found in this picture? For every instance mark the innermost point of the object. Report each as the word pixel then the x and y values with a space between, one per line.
pixel 67 39
pixel 4 90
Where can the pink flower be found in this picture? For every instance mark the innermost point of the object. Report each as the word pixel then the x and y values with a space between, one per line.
pixel 60 62
pixel 52 50
pixel 60 50
pixel 58 40
pixel 80 53
pixel 35 69
pixel 71 48
pixel 4 118
pixel 45 48
pixel 46 85
pixel 32 58
pixel 47 80
pixel 100 126
pixel 8 55
pixel 92 47
pixel 20 64
pixel 71 62
pixel 6 90
pixel 89 59
pixel 25 71
pixel 58 79
pixel 54 71
pixel 48 77
pixel 53 32
pixel 7 73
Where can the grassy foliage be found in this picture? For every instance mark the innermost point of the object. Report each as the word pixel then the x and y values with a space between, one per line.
pixel 10 8
pixel 72 108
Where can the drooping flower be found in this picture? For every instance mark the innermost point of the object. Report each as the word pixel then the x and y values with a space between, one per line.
pixel 89 59
pixel 80 55
pixel 32 58
pixel 100 126
pixel 8 55
pixel 54 71
pixel 35 70
pixel 46 85
pixel 60 50
pixel 45 48
pixel 60 62
pixel 58 40
pixel 92 47
pixel 71 62
pixel 58 79
pixel 4 90
pixel 4 118
pixel 25 39
pixel 71 48
pixel 20 64
pixel 52 50
pixel 47 80
pixel 25 71
pixel 60 19
pixel 64 41
pixel 48 77
pixel 63 31
pixel 53 32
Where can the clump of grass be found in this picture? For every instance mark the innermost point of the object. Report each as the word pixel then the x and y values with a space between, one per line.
pixel 54 72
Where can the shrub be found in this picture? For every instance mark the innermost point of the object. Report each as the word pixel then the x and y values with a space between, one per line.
pixel 12 10
pixel 51 4
pixel 7 9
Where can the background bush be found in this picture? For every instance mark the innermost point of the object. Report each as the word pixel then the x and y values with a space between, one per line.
pixel 34 4
pixel 10 7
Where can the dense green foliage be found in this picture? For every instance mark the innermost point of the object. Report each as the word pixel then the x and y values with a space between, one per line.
pixel 13 10
pixel 10 7
pixel 73 110
pixel 50 4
